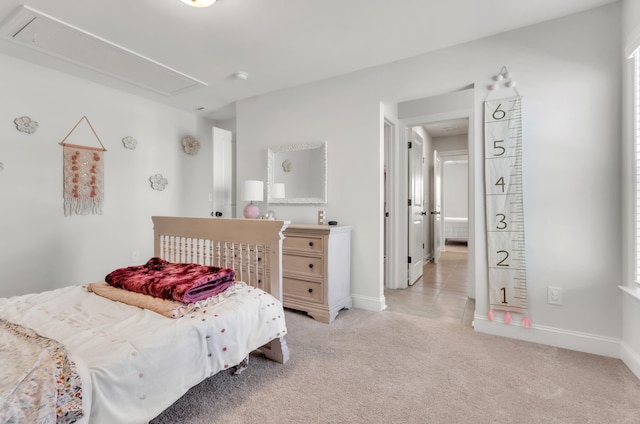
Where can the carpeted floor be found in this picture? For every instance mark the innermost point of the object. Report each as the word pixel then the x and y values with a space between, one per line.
pixel 387 367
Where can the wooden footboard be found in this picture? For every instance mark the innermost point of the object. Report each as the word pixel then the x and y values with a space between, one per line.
pixel 252 247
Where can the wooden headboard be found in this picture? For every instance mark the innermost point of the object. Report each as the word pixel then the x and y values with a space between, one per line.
pixel 252 247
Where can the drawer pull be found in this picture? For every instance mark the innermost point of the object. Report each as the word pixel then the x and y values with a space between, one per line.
pixel 310 266
pixel 310 244
pixel 310 290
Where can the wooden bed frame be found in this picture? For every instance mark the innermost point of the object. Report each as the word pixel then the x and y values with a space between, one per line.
pixel 252 247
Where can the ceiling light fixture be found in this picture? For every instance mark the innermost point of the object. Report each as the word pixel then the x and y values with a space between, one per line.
pixel 199 3
pixel 241 75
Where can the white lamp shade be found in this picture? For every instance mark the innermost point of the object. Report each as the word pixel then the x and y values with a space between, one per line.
pixel 199 3
pixel 278 191
pixel 253 190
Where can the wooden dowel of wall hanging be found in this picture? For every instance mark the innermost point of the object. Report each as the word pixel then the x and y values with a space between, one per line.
pixel 77 146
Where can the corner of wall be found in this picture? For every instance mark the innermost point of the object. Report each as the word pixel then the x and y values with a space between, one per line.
pixel 369 303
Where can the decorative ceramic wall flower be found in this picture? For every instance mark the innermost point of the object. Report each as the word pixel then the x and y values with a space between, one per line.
pixel 287 166
pixel 129 142
pixel 26 125
pixel 190 145
pixel 158 182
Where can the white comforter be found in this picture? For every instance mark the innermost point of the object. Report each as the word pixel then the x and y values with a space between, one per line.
pixel 134 363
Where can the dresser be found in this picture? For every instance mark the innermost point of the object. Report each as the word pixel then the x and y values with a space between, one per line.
pixel 316 270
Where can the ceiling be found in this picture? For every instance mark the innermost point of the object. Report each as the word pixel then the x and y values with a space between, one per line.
pixel 447 128
pixel 277 43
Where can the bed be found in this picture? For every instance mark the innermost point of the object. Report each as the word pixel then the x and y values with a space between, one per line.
pixel 456 229
pixel 119 363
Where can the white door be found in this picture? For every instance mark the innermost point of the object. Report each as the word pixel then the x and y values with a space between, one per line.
pixel 222 196
pixel 416 208
pixel 436 206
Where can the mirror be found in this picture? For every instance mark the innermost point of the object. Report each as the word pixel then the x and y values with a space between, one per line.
pixel 302 169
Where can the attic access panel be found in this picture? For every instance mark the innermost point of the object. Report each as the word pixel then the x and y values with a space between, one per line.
pixel 41 32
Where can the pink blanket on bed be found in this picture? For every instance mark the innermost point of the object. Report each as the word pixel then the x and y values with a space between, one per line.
pixel 182 282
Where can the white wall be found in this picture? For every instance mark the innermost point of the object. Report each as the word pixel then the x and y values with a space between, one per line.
pixel 454 189
pixel 630 18
pixel 631 296
pixel 455 175
pixel 438 107
pixel 451 142
pixel 569 74
pixel 41 249
pixel 352 129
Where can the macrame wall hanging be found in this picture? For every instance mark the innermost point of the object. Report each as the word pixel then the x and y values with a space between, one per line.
pixel 83 175
pixel 504 203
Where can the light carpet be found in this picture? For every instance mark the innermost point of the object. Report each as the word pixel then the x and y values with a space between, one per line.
pixel 387 367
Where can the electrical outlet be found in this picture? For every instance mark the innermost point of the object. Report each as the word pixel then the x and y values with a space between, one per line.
pixel 554 295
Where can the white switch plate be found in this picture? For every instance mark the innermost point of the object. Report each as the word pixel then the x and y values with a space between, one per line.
pixel 554 295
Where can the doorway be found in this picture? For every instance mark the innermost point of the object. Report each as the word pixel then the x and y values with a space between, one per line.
pixel 442 292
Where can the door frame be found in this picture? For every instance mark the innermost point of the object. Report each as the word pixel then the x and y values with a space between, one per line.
pixel 417 263
pixel 389 139
pixel 396 243
pixel 436 207
pixel 222 196
pixel 397 174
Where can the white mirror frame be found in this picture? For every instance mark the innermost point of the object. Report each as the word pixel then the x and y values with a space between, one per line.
pixel 271 163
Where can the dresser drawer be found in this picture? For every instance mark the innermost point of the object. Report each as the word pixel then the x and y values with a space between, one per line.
pixel 316 269
pixel 306 265
pixel 303 244
pixel 307 290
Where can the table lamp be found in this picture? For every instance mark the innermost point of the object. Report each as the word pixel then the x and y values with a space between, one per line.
pixel 253 191
pixel 278 191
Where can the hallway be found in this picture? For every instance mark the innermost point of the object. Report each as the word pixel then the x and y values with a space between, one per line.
pixel 440 293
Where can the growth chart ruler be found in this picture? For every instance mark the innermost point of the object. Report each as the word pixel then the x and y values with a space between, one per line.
pixel 504 207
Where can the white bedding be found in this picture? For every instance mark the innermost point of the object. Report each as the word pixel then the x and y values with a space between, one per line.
pixel 140 362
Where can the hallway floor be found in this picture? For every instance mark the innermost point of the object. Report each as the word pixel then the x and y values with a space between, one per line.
pixel 440 293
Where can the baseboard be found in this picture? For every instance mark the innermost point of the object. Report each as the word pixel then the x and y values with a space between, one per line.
pixel 566 339
pixel 375 304
pixel 630 358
